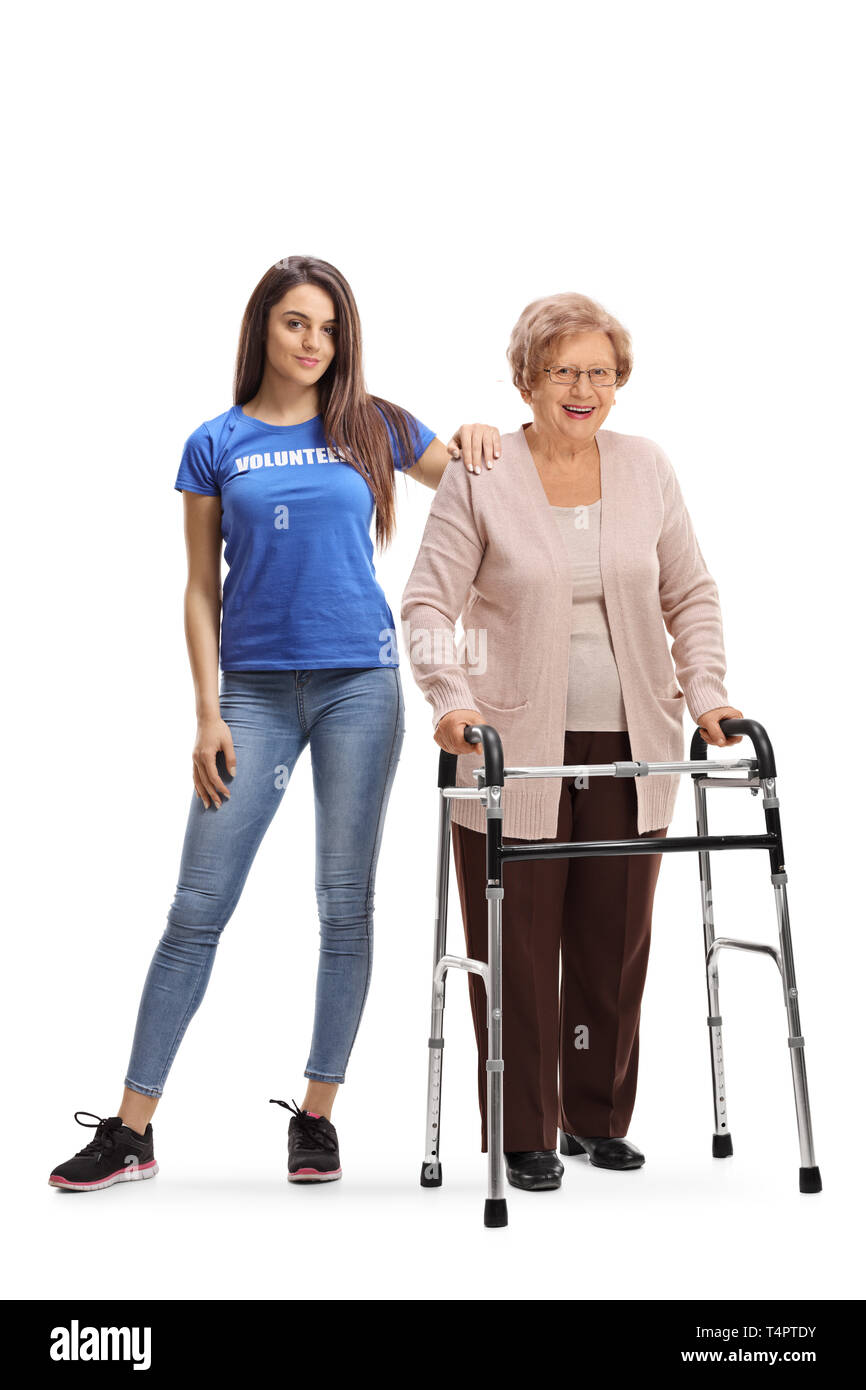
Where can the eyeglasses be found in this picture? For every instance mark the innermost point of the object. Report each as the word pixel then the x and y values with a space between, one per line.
pixel 597 376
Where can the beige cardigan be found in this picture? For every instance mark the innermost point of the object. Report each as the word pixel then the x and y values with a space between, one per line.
pixel 493 555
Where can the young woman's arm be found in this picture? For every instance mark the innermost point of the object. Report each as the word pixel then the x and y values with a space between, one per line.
pixel 202 606
pixel 477 443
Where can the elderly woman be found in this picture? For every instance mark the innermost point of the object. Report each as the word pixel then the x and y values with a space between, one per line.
pixel 565 572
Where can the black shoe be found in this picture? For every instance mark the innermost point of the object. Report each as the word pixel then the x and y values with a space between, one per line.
pixel 314 1155
pixel 116 1153
pixel 618 1154
pixel 534 1170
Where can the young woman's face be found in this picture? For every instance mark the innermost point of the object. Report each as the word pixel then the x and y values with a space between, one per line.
pixel 302 329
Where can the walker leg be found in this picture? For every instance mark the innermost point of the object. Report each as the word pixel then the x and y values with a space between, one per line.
pixel 810 1175
pixel 431 1168
pixel 495 1207
pixel 723 1145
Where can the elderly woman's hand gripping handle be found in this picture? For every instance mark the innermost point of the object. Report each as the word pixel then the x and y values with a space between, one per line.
pixel 710 725
pixel 450 732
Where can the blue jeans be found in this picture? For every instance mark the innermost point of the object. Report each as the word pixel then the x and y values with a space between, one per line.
pixel 353 720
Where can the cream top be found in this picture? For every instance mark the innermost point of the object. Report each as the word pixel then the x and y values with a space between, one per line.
pixel 594 691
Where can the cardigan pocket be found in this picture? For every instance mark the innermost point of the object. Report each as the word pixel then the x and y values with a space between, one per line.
pixel 673 706
pixel 499 709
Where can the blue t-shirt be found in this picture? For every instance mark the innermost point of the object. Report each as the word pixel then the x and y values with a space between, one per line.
pixel 301 591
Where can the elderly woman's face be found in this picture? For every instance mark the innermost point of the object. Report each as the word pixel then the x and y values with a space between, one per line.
pixel 572 414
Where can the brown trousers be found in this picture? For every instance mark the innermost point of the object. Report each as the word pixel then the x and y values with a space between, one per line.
pixel 597 914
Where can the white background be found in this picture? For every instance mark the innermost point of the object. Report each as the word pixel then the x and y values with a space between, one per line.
pixel 697 170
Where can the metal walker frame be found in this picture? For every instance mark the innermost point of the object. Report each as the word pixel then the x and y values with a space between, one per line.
pixel 760 775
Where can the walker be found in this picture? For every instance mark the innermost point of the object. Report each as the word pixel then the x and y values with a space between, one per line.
pixel 758 772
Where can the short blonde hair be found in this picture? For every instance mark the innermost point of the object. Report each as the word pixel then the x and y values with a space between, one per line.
pixel 545 321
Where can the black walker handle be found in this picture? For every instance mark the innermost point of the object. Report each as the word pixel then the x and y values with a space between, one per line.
pixel 753 730
pixel 493 765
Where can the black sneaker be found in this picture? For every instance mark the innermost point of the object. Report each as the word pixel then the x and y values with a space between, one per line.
pixel 314 1155
pixel 116 1153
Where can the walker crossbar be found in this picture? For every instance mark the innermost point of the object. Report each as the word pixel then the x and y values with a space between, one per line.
pixel 621 769
pixel 600 848
pixel 490 793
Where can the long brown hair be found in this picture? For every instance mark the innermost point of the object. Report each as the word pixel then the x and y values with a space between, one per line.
pixel 354 421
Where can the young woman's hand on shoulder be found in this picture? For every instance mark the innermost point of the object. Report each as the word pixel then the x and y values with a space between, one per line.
pixel 479 444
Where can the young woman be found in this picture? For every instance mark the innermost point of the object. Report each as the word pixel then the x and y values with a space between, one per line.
pixel 289 478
